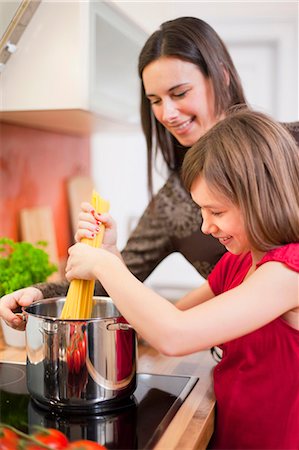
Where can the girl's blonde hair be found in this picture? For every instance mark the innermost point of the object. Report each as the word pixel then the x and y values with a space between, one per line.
pixel 253 161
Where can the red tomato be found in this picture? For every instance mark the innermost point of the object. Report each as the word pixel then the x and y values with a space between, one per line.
pixel 52 438
pixel 29 445
pixel 77 360
pixel 9 434
pixel 85 445
pixel 8 439
pixel 82 350
pixel 70 360
pixel 6 444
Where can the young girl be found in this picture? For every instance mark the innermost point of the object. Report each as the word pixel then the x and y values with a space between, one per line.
pixel 244 175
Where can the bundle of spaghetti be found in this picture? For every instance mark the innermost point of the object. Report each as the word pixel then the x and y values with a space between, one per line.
pixel 79 299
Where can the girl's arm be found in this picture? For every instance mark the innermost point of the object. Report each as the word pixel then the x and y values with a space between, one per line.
pixel 268 293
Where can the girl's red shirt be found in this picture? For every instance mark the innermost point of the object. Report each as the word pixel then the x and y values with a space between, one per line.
pixel 257 381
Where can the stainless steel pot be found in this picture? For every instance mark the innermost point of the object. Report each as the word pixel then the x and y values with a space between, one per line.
pixel 79 365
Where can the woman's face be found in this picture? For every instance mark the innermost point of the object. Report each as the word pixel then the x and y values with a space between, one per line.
pixel 182 99
pixel 221 218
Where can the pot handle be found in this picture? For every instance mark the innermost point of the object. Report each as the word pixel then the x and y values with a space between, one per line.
pixel 119 326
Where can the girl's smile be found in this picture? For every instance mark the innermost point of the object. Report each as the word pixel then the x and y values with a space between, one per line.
pixel 182 98
pixel 224 240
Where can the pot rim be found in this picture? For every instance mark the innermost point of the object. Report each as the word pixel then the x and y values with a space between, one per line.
pixel 57 319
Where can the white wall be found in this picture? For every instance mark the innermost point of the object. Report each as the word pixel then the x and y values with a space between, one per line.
pixel 263 40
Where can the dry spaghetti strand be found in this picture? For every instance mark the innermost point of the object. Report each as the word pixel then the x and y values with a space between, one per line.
pixel 78 303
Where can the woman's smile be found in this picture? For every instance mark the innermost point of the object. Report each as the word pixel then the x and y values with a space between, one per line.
pixel 181 97
pixel 182 128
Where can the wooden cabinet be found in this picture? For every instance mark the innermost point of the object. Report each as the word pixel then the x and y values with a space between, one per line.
pixel 75 67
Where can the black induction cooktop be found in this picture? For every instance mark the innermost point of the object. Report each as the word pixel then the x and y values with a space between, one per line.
pixel 138 424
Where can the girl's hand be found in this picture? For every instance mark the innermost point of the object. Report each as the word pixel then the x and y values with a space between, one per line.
pixel 89 225
pixel 82 261
pixel 10 302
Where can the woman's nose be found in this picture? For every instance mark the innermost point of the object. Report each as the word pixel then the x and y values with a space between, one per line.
pixel 170 112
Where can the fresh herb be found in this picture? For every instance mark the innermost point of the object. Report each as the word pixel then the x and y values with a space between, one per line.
pixel 23 264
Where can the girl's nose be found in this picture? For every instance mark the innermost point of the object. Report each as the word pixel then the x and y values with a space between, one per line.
pixel 208 227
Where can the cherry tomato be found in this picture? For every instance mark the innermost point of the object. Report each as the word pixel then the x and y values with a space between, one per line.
pixel 29 445
pixel 85 445
pixel 77 360
pixel 9 434
pixel 6 444
pixel 82 350
pixel 8 439
pixel 70 360
pixel 54 439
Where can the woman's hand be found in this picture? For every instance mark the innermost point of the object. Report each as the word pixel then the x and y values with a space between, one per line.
pixel 10 302
pixel 83 260
pixel 89 225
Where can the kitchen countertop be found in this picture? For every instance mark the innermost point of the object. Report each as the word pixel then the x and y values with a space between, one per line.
pixel 192 426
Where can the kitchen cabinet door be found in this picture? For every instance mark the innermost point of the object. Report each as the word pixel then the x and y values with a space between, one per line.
pixel 75 64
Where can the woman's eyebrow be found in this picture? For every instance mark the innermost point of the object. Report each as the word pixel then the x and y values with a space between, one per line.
pixel 169 90
pixel 178 86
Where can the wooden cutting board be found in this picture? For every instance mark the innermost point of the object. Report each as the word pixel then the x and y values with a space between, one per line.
pixel 79 190
pixel 37 224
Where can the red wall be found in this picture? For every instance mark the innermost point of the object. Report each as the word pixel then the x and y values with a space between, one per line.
pixel 34 168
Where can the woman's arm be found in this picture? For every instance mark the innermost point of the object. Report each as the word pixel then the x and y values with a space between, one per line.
pixel 267 294
pixel 151 240
pixel 195 297
pixel 10 302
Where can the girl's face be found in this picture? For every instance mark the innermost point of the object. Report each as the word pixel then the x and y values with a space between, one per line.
pixel 221 218
pixel 182 98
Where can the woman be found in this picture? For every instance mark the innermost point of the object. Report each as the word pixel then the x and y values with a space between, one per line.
pixel 188 81
pixel 238 173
